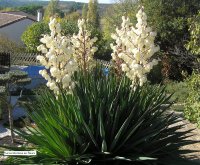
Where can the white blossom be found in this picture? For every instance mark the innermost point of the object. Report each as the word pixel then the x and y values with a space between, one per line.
pixel 134 48
pixel 57 58
pixel 83 46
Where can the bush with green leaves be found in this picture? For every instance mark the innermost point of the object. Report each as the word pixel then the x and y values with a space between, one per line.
pixel 192 104
pixel 31 36
pixel 104 122
pixel 194 44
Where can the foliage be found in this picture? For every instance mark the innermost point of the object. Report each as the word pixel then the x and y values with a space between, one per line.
pixel 92 13
pixel 179 90
pixel 104 122
pixel 112 16
pixel 2 105
pixel 31 36
pixel 8 80
pixel 7 45
pixel 73 17
pixel 84 12
pixel 192 104
pixel 169 17
pixel 2 89
pixel 52 9
pixel 194 44
pixel 30 9
pixel 75 6
pixel 155 75
pixel 104 50
pixel 4 78
pixel 69 27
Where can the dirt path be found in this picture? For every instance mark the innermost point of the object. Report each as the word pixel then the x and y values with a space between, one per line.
pixel 195 137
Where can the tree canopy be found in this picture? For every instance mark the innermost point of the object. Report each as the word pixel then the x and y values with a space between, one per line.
pixel 92 13
pixel 52 9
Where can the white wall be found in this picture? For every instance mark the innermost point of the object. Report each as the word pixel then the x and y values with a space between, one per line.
pixel 15 30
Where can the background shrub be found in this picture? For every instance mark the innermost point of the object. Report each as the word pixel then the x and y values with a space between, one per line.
pixel 7 45
pixel 192 107
pixel 31 36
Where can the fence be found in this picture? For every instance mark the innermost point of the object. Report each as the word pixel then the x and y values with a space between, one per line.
pixel 30 59
pixel 4 62
pixel 26 59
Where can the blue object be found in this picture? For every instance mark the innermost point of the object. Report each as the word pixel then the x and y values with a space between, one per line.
pixel 33 71
pixel 105 71
pixel 36 78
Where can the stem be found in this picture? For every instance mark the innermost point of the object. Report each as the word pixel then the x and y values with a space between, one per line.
pixel 84 53
pixel 21 92
pixel 10 116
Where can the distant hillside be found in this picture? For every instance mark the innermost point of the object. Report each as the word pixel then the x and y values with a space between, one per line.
pixel 64 5
pixel 17 3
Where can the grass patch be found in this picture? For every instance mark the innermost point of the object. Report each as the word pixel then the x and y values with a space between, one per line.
pixel 179 90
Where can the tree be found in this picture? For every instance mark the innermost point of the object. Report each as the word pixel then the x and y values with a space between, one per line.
pixel 92 13
pixel 52 9
pixel 73 17
pixel 84 12
pixel 30 9
pixel 69 27
pixel 113 14
pixel 31 36
pixel 168 18
pixel 194 43
pixel 10 79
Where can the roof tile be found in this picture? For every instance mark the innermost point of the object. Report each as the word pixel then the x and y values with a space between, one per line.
pixel 7 18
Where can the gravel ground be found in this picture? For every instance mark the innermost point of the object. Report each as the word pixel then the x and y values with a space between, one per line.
pixel 196 137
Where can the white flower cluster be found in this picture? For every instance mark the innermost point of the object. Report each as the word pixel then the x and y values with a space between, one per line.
pixel 135 47
pixel 58 59
pixel 83 47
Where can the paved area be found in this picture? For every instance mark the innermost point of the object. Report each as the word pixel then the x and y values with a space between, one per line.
pixel 196 137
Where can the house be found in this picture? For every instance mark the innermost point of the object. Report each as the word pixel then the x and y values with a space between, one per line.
pixel 14 23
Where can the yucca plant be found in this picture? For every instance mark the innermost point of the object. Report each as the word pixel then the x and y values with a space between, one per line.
pixel 129 126
pixel 105 122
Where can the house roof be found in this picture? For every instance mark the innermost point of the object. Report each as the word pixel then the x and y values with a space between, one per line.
pixel 7 18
